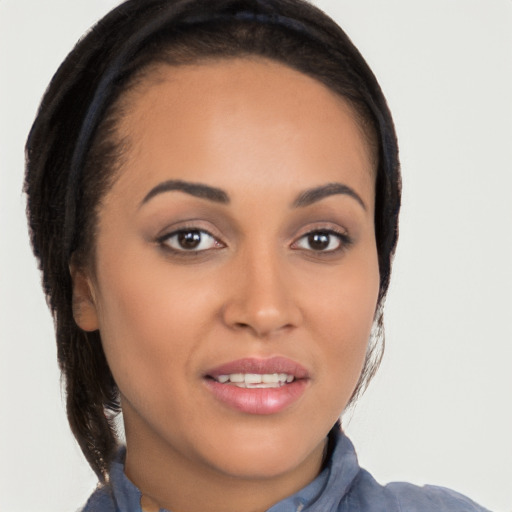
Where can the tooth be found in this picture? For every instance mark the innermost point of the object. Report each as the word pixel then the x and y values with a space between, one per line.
pixel 270 378
pixel 282 377
pixel 237 377
pixel 252 378
pixel 289 378
pixel 222 379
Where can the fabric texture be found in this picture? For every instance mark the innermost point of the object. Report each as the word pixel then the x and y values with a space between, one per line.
pixel 342 486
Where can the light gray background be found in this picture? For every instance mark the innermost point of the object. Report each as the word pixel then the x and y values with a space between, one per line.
pixel 440 410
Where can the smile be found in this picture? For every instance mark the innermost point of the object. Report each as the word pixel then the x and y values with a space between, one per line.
pixel 258 386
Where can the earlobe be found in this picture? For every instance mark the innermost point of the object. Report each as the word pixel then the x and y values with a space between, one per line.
pixel 84 307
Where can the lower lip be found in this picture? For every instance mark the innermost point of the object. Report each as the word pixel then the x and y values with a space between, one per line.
pixel 258 400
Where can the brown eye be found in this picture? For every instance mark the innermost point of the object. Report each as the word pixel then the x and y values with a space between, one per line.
pixel 322 241
pixel 192 240
pixel 189 239
pixel 319 241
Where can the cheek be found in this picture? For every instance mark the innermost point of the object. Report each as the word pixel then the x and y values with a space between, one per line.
pixel 347 298
pixel 149 317
pixel 342 312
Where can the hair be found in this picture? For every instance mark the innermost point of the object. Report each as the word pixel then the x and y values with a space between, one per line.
pixel 74 152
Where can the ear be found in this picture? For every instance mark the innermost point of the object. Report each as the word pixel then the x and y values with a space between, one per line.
pixel 84 308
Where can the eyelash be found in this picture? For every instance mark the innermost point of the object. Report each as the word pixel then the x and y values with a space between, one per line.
pixel 164 241
pixel 344 241
pixel 195 234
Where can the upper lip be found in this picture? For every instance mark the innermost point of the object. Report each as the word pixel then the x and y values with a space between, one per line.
pixel 261 366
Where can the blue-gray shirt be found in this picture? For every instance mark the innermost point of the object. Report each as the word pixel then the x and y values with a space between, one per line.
pixel 342 486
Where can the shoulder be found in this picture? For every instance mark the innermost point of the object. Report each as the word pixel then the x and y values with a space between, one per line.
pixel 430 497
pixel 101 500
pixel 349 488
pixel 405 497
pixel 119 495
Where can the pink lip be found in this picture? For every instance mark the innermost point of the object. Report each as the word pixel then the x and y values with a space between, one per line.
pixel 262 401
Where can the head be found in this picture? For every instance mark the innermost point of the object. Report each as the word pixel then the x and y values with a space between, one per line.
pixel 82 143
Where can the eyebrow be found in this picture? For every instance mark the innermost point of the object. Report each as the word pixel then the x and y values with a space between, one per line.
pixel 313 195
pixel 194 189
pixel 218 195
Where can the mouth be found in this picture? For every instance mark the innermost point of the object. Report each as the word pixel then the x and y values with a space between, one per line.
pixel 258 386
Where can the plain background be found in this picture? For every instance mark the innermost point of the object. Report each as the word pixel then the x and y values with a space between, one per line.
pixel 440 409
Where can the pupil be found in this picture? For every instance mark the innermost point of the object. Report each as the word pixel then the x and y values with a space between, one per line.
pixel 318 241
pixel 189 239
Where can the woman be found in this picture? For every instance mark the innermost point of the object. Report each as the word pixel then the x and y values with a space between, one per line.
pixel 213 197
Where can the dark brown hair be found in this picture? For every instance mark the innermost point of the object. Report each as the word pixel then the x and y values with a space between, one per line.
pixel 73 153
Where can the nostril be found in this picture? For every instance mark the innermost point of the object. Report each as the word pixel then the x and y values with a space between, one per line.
pixel 261 319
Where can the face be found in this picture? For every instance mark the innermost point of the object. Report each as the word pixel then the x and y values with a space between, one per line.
pixel 236 277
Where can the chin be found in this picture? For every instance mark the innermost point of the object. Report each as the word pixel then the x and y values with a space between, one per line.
pixel 265 454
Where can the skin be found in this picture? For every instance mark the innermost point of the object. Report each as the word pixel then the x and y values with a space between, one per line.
pixel 264 134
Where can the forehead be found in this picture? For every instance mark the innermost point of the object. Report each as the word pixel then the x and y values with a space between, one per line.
pixel 252 113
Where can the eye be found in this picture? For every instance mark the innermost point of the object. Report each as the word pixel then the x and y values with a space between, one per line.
pixel 190 240
pixel 322 241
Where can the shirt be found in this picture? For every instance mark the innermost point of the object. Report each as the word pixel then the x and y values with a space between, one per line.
pixel 342 486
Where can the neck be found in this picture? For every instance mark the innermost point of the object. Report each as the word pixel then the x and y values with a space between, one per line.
pixel 173 481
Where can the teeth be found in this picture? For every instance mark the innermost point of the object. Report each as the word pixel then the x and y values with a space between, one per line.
pixel 256 380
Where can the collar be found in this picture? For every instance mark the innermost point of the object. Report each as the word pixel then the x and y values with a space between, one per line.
pixel 326 492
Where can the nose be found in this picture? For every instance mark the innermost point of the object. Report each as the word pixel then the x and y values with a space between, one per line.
pixel 261 298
